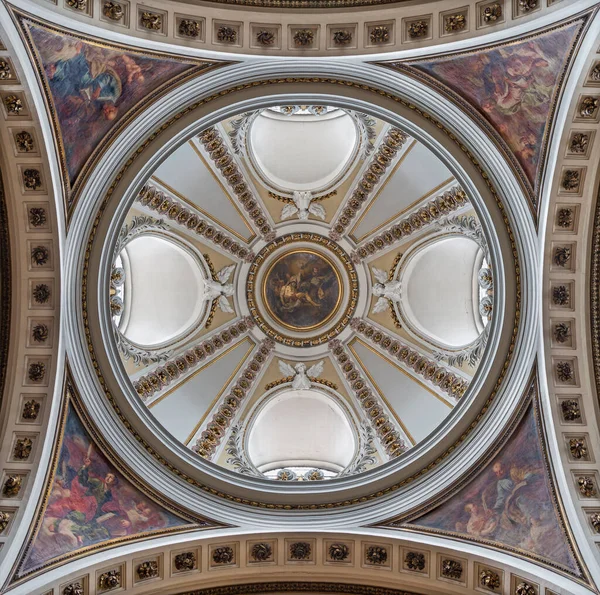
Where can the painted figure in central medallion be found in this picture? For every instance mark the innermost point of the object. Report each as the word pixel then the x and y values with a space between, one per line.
pixel 302 290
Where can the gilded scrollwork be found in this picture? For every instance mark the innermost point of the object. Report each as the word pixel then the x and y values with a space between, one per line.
pixel 215 430
pixel 380 162
pixel 429 369
pixel 433 211
pixel 212 141
pixel 156 200
pixel 383 426
pixel 155 381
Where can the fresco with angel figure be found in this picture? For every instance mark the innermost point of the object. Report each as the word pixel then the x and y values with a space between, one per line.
pixel 302 290
pixel 510 502
pixel 90 502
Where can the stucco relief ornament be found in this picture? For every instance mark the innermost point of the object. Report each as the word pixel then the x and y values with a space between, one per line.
pixel 342 37
pixel 189 28
pixel 24 141
pixel 31 409
pixel 265 37
pixel 261 552
pixel 586 486
pixel 4 519
pixel 5 70
pixel 185 561
pixel 13 104
pixel 218 289
pixel 109 580
pixel 300 550
pixel 41 293
pixel 452 569
pixel 77 4
pixel 73 589
pixel 113 11
pixel 561 332
pixel 304 37
pixel 301 376
pixel 525 589
pixel 227 34
pixel 376 555
pixel 489 579
pixel 387 291
pixel 237 454
pixel 147 570
pixel 339 552
pixel 286 475
pixel 588 107
pixel 22 449
pixel 562 255
pixel 366 453
pixel 570 410
pixel 151 21
pixel 578 448
pixel 492 13
pixel 303 206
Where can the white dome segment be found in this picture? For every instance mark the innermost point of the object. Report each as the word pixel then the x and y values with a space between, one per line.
pixel 302 152
pixel 301 428
pixel 440 292
pixel 162 286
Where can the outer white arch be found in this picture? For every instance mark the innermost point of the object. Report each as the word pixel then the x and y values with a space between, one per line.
pixel 477 442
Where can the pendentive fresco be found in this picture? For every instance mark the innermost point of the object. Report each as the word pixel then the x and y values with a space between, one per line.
pixel 514 86
pixel 510 503
pixel 90 502
pixel 93 86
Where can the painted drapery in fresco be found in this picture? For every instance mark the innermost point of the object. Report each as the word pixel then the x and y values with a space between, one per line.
pixel 90 502
pixel 93 86
pixel 510 503
pixel 515 87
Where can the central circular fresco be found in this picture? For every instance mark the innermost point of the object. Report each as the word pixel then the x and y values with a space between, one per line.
pixel 302 289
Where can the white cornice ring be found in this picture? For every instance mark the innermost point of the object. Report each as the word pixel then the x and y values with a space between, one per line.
pixel 402 499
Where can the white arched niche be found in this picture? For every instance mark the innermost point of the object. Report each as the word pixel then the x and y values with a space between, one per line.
pixel 302 152
pixel 440 292
pixel 301 428
pixel 163 285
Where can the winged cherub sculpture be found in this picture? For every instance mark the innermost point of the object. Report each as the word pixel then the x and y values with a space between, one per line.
pixel 387 291
pixel 302 376
pixel 220 290
pixel 304 206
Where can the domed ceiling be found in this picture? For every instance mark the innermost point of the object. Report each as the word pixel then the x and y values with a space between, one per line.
pixel 301 292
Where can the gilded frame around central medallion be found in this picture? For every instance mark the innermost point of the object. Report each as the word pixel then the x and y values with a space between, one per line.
pixel 495 381
pixel 341 292
pixel 252 288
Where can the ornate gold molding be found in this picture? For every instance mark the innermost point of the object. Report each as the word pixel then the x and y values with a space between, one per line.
pixel 252 291
pixel 219 153
pixel 380 162
pixel 435 209
pixel 452 384
pixel 156 200
pixel 216 429
pixel 153 382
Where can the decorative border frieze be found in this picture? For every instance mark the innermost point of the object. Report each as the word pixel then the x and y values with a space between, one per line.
pixel 171 370
pixel 216 428
pixel 430 370
pixel 158 201
pixel 374 409
pixel 434 210
pixel 387 150
pixel 224 161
